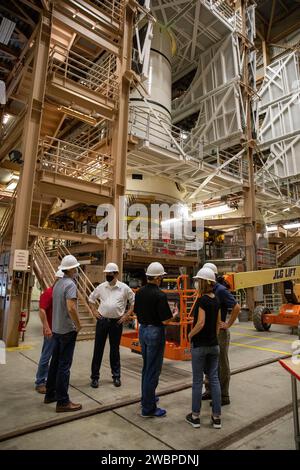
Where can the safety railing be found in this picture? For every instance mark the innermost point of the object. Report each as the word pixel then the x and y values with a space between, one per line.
pixel 87 136
pixel 224 252
pixel 280 187
pixel 43 268
pixel 144 125
pixel 112 8
pixel 84 285
pixel 63 158
pixel 266 258
pixel 99 77
pixel 168 249
pixel 287 248
pixel 273 302
pixel 221 9
pixel 8 214
pixel 45 272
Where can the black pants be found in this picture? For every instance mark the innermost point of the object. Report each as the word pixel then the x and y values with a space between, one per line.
pixel 107 327
pixel 59 371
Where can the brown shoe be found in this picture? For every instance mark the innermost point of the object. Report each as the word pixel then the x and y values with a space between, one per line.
pixel 41 389
pixel 69 407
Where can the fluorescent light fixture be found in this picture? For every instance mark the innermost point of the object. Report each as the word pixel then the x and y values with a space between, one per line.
pixel 211 211
pixel 291 225
pixel 184 135
pixel 272 228
pixel 5 119
pixel 12 185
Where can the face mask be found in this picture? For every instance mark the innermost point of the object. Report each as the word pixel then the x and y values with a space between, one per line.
pixel 109 277
pixel 196 284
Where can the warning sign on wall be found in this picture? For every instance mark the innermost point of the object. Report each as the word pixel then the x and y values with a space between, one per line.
pixel 21 260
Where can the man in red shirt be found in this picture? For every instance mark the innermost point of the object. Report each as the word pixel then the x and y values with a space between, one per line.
pixel 45 313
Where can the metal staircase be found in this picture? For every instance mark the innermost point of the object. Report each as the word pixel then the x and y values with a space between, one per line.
pixel 287 251
pixel 44 268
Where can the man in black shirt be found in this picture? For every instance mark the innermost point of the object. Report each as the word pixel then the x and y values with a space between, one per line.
pixel 152 310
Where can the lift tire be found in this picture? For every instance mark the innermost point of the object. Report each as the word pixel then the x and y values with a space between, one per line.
pixel 258 316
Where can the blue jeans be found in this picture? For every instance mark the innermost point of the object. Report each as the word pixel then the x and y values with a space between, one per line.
pixel 152 340
pixel 59 371
pixel 206 358
pixel 42 372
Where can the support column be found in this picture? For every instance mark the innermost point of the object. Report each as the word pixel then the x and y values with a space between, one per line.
pixel 30 139
pixel 119 144
pixel 266 56
pixel 249 189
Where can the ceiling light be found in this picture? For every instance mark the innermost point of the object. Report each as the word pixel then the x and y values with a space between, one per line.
pixel 12 185
pixel 272 228
pixel 291 225
pixel 5 119
pixel 211 211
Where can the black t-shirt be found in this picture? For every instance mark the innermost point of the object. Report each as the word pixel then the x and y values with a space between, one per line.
pixel 151 305
pixel 208 335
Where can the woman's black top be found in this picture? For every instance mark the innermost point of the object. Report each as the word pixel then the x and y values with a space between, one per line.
pixel 208 335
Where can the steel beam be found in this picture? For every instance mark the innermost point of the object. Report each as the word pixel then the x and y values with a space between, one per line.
pixel 31 130
pixel 233 222
pixel 67 90
pixel 75 189
pixel 65 235
pixel 87 33
pixel 120 135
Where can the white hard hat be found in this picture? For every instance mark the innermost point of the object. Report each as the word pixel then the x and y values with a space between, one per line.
pixel 111 268
pixel 205 273
pixel 68 262
pixel 155 269
pixel 59 273
pixel 211 266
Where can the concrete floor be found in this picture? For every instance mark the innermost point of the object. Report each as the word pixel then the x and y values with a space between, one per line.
pixel 255 394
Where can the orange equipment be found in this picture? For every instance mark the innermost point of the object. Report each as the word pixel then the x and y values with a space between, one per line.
pixel 181 300
pixel 263 318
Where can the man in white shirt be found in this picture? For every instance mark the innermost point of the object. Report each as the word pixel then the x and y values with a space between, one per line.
pixel 113 296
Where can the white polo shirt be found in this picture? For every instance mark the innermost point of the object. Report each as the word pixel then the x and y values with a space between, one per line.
pixel 113 299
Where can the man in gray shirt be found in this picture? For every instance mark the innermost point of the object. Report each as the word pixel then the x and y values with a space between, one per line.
pixel 65 326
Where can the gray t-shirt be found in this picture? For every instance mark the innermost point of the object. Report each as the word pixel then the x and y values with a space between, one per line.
pixel 64 289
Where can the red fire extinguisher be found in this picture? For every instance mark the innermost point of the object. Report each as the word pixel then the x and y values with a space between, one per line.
pixel 22 324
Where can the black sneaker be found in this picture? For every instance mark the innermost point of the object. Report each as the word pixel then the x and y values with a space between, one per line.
pixel 216 422
pixel 194 422
pixel 95 383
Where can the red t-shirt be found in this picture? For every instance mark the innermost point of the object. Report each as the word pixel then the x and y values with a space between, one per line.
pixel 46 304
